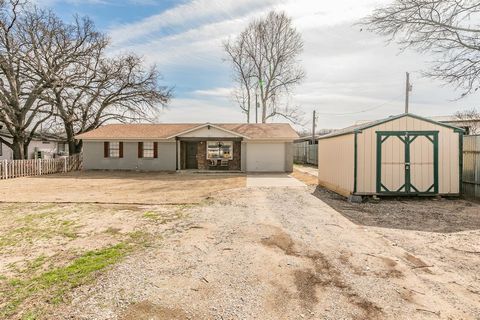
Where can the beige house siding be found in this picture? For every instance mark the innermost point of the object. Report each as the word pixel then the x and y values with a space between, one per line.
pixel 448 155
pixel 336 163
pixel 288 156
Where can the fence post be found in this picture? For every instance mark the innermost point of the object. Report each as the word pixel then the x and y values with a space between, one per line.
pixel 65 164
pixel 5 163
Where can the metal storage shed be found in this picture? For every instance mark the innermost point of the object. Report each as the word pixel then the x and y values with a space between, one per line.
pixel 400 155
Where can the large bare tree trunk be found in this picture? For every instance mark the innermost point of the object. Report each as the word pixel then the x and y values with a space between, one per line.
pixel 70 133
pixel 18 149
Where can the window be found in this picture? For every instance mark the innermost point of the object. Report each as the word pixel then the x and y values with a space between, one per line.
pixel 1 151
pixel 114 149
pixel 61 147
pixel 220 150
pixel 148 150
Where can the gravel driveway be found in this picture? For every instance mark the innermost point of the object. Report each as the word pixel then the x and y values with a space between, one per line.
pixel 279 253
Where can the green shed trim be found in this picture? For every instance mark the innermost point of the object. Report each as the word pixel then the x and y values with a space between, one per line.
pixel 355 163
pixel 407 142
pixel 359 128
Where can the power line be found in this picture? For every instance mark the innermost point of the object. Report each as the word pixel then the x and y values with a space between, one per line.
pixel 364 110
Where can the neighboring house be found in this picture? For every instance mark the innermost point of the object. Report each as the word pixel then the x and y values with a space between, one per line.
pixel 42 146
pixel 170 147
pixel 469 125
pixel 399 155
pixel 307 140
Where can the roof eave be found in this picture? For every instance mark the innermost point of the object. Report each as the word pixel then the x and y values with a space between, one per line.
pixel 368 126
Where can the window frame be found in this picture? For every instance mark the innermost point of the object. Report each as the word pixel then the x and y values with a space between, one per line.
pixel 220 152
pixel 110 149
pixel 61 147
pixel 145 148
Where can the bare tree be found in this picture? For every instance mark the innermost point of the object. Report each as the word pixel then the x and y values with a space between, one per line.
pixel 107 89
pixel 447 29
pixel 243 69
pixel 265 62
pixel 52 72
pixel 20 73
pixel 35 47
pixel 469 119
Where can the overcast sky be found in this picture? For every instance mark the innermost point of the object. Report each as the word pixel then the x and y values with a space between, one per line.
pixel 351 75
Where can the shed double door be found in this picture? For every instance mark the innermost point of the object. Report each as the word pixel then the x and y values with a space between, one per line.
pixel 407 162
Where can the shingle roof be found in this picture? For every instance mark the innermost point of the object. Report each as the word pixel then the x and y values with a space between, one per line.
pixel 167 130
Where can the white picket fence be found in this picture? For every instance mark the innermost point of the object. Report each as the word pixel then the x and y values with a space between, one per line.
pixel 36 167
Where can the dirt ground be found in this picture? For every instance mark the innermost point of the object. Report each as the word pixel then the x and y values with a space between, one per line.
pixel 117 187
pixel 283 253
pixel 47 249
pixel 442 215
pixel 244 253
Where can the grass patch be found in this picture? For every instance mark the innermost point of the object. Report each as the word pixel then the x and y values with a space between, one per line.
pixel 152 215
pixel 43 225
pixel 142 238
pixel 53 284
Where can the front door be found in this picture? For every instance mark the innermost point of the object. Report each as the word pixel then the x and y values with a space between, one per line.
pixel 191 149
pixel 407 162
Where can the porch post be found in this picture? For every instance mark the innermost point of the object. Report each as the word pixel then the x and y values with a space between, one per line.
pixel 177 142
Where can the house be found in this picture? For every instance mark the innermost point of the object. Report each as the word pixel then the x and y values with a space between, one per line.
pixel 471 126
pixel 190 146
pixel 43 145
pixel 399 155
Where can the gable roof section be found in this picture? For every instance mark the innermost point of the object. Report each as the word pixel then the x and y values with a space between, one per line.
pixel 360 127
pixel 207 125
pixel 265 131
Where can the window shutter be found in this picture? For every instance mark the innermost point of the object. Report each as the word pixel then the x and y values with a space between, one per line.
pixel 120 151
pixel 105 149
pixel 155 149
pixel 140 150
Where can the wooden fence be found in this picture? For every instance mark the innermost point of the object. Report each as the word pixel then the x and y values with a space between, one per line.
pixel 471 167
pixel 23 168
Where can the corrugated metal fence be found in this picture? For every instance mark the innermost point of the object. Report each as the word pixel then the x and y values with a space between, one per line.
pixel 305 153
pixel 35 167
pixel 471 167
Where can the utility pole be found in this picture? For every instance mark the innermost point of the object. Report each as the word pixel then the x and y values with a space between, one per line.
pixel 408 89
pixel 256 107
pixel 313 127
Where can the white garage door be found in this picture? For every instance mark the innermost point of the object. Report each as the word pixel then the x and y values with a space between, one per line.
pixel 266 157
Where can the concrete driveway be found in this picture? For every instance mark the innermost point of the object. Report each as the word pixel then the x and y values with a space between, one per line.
pixel 273 180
